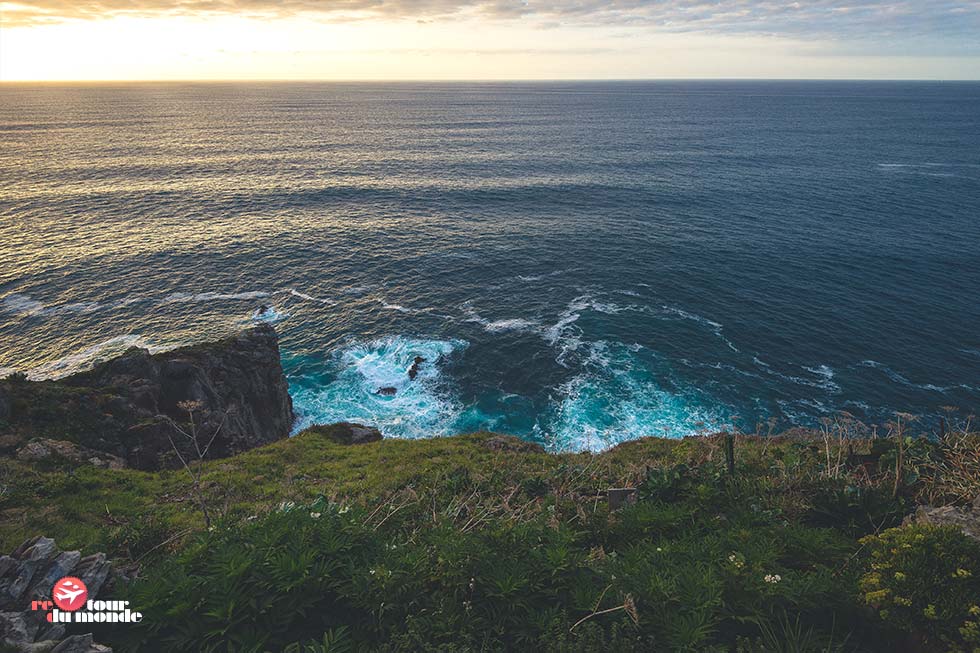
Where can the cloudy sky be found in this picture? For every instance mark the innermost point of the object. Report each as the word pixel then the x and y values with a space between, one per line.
pixel 495 39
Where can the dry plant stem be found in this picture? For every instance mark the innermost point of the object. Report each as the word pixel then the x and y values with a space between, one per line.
pixel 195 473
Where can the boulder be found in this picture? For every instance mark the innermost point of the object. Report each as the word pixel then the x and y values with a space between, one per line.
pixel 346 433
pixel 967 519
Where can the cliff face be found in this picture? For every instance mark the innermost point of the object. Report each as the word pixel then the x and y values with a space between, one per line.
pixel 132 406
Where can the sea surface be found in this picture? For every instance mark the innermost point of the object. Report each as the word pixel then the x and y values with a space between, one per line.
pixel 579 264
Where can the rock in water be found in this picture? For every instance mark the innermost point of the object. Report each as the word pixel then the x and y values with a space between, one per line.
pixel 122 407
pixel 413 371
pixel 387 391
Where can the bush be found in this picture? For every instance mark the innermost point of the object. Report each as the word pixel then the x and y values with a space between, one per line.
pixel 925 580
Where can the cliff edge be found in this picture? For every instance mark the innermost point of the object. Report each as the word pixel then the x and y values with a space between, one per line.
pixel 131 407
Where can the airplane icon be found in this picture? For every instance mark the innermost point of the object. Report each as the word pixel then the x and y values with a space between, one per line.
pixel 65 594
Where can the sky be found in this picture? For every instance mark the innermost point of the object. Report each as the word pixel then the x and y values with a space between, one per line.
pixel 487 39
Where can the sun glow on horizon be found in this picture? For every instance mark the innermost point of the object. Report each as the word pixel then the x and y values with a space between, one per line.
pixel 466 45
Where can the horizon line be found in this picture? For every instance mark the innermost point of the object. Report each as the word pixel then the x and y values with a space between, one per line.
pixel 313 80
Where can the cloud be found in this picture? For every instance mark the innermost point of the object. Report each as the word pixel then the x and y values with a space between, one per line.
pixel 863 20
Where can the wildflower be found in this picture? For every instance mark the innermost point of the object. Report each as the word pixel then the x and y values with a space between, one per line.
pixel 962 573
pixel 872 598
pixel 975 610
pixel 372 572
pixel 315 515
pixel 901 600
pixel 899 575
pixel 659 550
pixel 344 510
pixel 772 578
pixel 929 611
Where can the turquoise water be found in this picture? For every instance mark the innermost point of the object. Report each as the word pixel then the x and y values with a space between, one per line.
pixel 579 263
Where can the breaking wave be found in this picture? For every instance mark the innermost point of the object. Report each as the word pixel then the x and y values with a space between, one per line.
pixel 350 388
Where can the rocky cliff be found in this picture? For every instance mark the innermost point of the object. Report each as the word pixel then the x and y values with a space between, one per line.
pixel 232 394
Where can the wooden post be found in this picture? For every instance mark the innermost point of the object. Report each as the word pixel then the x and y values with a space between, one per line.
pixel 730 453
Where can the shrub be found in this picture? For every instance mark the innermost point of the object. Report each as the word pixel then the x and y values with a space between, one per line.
pixel 925 580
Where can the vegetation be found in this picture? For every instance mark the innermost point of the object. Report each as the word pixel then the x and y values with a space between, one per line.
pixel 482 543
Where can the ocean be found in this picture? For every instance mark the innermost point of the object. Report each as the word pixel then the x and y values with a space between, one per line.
pixel 579 264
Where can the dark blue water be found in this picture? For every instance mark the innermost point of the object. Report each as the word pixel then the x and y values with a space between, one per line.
pixel 579 263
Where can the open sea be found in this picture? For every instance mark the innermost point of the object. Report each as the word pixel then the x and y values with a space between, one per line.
pixel 579 263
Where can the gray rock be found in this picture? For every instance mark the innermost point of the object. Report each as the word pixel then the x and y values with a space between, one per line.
pixel 967 519
pixel 40 449
pixel 43 646
pixel 39 558
pixel 74 644
pixel 347 433
pixel 93 571
pixel 55 632
pixel 61 566
pixel 17 628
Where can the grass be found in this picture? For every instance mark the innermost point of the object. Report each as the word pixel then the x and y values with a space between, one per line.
pixel 478 542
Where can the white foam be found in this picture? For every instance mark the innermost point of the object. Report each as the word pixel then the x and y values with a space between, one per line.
pixel 422 407
pixel 181 297
pixel 25 305
pixel 270 316
pixel 86 358
pixel 310 298
pixel 898 378
pixel 540 277
pixel 616 399
pixel 715 327
pixel 19 304
pixel 497 326
pixel 514 324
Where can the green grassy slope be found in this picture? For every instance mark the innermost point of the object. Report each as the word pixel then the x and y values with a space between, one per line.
pixel 481 542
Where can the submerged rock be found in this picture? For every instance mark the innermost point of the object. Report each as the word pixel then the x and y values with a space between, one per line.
pixel 387 391
pixel 124 407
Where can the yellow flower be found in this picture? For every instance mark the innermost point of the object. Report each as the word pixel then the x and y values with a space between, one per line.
pixel 962 573
pixel 974 610
pixel 899 575
pixel 876 596
pixel 929 611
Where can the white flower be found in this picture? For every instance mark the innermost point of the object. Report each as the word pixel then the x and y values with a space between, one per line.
pixel 772 578
pixel 344 509
pixel 315 515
